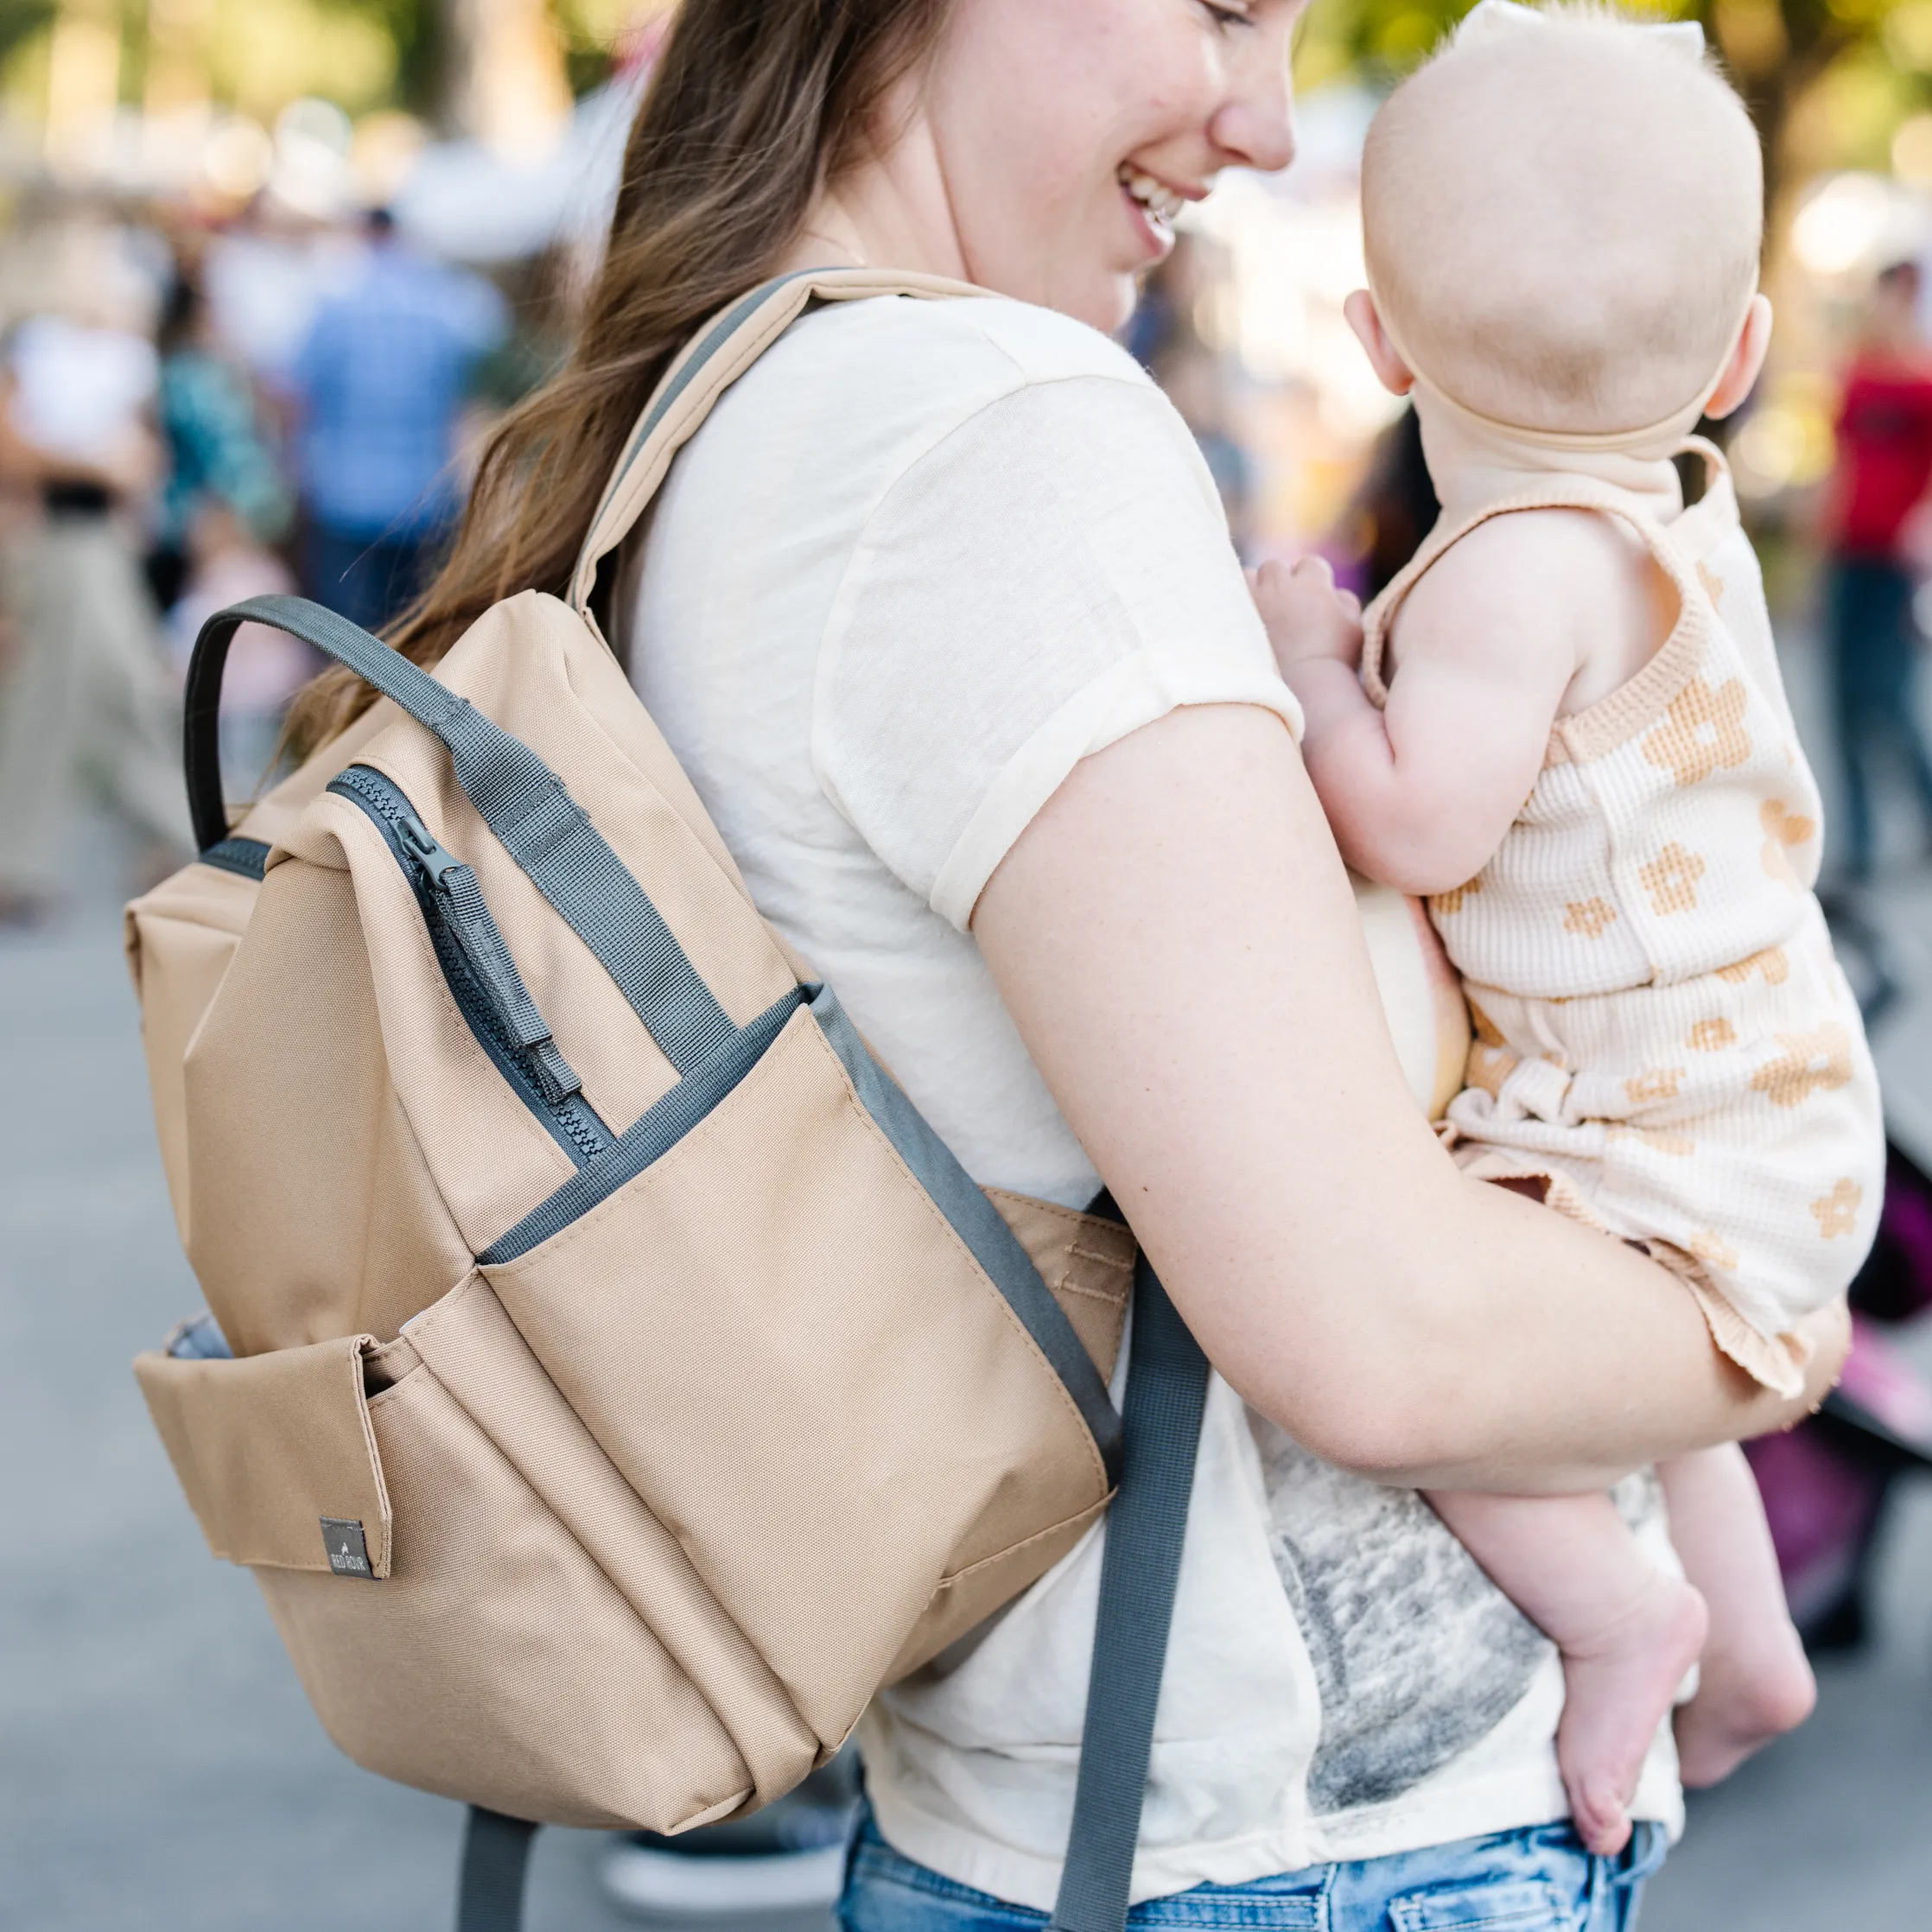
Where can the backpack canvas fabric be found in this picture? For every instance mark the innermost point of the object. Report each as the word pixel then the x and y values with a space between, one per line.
pixel 624 1383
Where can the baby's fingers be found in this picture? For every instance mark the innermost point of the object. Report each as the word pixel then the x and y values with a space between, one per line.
pixel 1316 575
pixel 1306 615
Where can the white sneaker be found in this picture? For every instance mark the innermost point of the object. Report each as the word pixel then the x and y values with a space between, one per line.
pixel 654 1879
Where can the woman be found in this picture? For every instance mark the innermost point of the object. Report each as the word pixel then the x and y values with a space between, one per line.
pixel 939 611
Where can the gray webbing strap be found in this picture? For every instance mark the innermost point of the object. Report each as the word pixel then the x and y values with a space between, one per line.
pixel 518 796
pixel 979 1224
pixel 496 1857
pixel 689 361
pixel 1147 1525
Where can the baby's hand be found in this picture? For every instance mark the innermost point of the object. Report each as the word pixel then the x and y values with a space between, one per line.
pixel 1306 615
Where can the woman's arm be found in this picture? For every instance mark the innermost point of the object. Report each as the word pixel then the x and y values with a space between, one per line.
pixel 1176 939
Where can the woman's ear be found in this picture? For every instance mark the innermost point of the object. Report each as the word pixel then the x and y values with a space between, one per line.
pixel 1747 360
pixel 1365 319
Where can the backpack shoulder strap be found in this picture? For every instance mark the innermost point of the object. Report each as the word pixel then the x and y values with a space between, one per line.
pixel 1139 1573
pixel 720 352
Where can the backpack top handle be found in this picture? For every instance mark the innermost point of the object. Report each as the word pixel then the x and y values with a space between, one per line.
pixel 348 644
pixel 518 796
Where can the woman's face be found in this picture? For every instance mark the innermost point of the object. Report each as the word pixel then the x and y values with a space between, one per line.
pixel 1068 133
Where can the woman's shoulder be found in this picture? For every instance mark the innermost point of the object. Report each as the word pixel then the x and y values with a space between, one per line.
pixel 878 383
pixel 857 397
pixel 961 343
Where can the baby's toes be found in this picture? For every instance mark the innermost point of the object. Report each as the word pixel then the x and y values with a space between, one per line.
pixel 1598 1810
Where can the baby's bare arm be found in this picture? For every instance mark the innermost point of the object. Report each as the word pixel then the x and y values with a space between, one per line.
pixel 1482 655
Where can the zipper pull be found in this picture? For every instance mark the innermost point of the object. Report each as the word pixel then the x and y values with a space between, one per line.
pixel 433 859
pixel 466 919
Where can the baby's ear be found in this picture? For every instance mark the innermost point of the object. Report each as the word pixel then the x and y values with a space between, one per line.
pixel 1365 319
pixel 1747 360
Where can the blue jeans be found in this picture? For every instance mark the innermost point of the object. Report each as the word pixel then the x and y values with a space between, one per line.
pixel 1536 1880
pixel 1874 651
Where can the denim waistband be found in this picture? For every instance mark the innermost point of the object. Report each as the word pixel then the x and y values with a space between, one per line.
pixel 1537 1879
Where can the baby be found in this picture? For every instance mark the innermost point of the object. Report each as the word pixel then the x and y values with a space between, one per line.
pixel 1566 728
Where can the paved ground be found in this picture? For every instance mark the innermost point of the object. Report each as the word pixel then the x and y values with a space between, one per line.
pixel 160 1770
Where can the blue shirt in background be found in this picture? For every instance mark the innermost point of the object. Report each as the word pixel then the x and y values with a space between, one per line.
pixel 382 376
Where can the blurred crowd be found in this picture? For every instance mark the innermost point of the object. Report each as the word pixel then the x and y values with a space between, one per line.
pixel 195 413
pixel 189 418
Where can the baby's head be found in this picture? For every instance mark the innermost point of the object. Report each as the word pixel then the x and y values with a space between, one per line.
pixel 1562 216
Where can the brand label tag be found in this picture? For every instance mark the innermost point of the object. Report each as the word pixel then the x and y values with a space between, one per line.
pixel 349 1551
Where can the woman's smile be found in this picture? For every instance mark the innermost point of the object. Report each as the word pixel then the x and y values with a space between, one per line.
pixel 1153 206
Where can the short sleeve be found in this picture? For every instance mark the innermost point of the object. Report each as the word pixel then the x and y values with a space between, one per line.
pixel 1053 575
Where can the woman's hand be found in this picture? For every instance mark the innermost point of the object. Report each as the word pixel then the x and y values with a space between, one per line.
pixel 1177 941
pixel 1306 615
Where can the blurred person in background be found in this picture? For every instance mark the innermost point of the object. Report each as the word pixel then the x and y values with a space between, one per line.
pixel 380 384
pixel 1884 464
pixel 1393 509
pixel 1164 334
pixel 266 668
pixel 223 505
pixel 218 451
pixel 1195 377
pixel 266 275
pixel 86 699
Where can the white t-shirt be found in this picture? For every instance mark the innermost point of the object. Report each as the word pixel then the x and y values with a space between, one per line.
pixel 924 557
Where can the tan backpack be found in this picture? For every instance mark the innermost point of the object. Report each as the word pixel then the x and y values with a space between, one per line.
pixel 612 1379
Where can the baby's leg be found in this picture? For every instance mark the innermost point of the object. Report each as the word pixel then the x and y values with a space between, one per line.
pixel 1628 1630
pixel 1753 1682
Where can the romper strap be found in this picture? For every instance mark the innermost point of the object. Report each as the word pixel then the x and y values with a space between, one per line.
pixel 1599 727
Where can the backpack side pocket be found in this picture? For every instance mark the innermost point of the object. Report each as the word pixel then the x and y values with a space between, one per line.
pixel 277 1456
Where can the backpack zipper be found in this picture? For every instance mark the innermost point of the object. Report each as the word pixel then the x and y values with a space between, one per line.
pixel 483 978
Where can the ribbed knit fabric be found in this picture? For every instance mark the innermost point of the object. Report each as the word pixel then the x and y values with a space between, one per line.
pixel 1664 1035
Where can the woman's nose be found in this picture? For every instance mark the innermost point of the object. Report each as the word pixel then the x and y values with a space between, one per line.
pixel 1256 125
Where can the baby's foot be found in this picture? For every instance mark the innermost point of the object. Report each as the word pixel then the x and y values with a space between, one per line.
pixel 1617 1687
pixel 1747 1694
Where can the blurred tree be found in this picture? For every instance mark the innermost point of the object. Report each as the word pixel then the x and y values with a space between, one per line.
pixel 429 34
pixel 416 30
pixel 19 20
pixel 1788 57
pixel 593 32
pixel 84 72
pixel 1828 82
pixel 504 73
pixel 464 64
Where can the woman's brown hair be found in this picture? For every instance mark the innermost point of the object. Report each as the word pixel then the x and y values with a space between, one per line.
pixel 753 106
